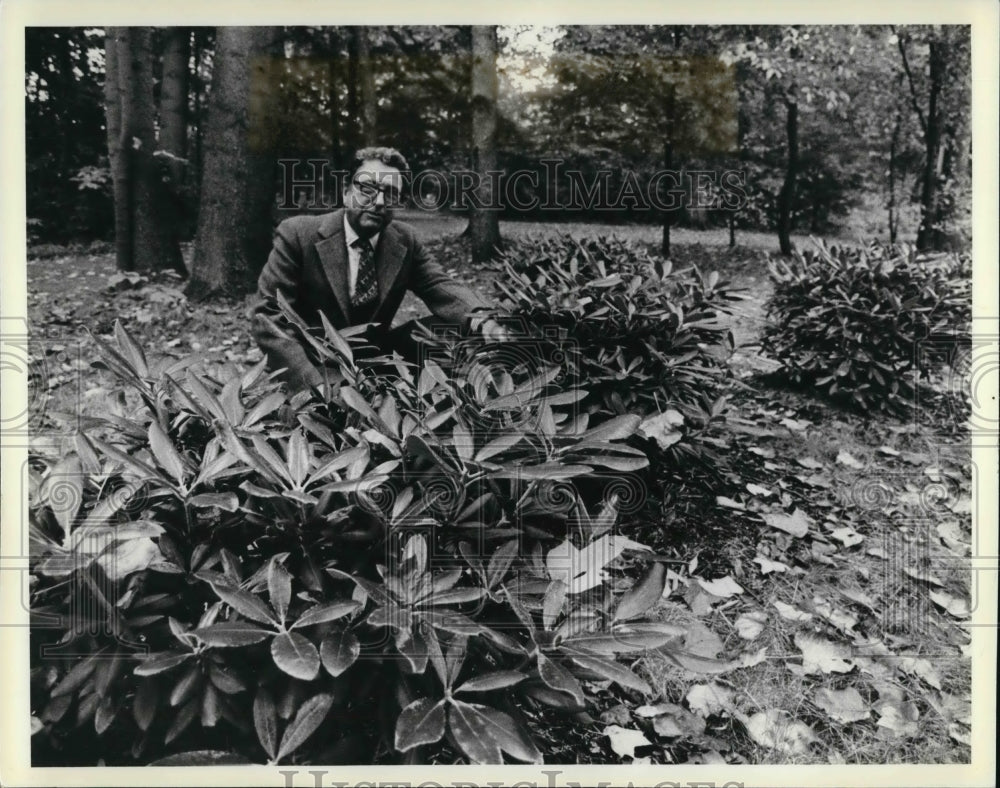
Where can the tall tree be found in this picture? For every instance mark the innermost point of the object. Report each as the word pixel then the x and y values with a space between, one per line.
pixel 237 189
pixel 361 100
pixel 145 239
pixel 939 94
pixel 484 220
pixel 174 100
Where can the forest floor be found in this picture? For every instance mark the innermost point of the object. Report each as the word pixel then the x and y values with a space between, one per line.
pixel 825 581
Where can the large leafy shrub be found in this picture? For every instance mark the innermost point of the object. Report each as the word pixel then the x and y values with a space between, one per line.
pixel 864 324
pixel 640 336
pixel 230 575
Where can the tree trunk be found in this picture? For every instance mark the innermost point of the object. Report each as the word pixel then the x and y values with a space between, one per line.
pixel 361 88
pixel 786 197
pixel 668 165
pixel 147 241
pixel 234 219
pixel 893 213
pixel 174 101
pixel 484 221
pixel 115 90
pixel 930 235
pixel 670 111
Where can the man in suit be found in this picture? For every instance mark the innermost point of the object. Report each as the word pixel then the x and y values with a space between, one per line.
pixel 354 265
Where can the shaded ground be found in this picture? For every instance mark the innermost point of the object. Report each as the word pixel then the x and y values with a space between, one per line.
pixel 824 575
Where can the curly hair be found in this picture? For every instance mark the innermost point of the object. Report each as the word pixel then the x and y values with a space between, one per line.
pixel 388 156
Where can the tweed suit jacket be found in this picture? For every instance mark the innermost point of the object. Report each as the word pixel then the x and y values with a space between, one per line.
pixel 308 265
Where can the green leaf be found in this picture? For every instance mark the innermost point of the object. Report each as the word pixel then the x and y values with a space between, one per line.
pixel 559 679
pixel 500 562
pixel 245 604
pixel 295 655
pixel 156 663
pixel 228 634
pixel 265 721
pixel 147 698
pixel 265 407
pixel 548 470
pixel 309 717
pixel 643 595
pixel 422 722
pixel 131 350
pixel 339 461
pixel 326 611
pixel 463 442
pixel 201 758
pixel 165 453
pixel 76 677
pixel 279 587
pixel 626 640
pixel 610 669
pixel 472 734
pixel 492 681
pixel 498 446
pixel 338 651
pixel 227 501
pixel 62 492
pixel 618 428
pixel 356 402
pixel 183 719
pixel 208 399
pixel 298 457
pixel 501 728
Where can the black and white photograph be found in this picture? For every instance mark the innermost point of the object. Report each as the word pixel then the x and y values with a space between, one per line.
pixel 525 394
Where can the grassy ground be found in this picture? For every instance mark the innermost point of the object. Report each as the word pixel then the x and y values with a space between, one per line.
pixel 843 641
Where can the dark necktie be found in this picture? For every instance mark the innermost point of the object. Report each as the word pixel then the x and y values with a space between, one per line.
pixel 366 285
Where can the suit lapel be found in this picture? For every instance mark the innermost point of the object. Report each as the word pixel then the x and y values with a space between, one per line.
pixel 389 258
pixel 332 250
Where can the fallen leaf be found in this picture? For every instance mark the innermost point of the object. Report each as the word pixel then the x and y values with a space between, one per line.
pixel 809 462
pixel 847 536
pixel 898 717
pixel 702 641
pixel 776 729
pixel 699 600
pixel 795 425
pixel 820 480
pixel 959 608
pixel 767 565
pixel 923 576
pixel 672 720
pixel 878 552
pixel 791 613
pixel 756 489
pixel 840 618
pixel 767 454
pixel 921 668
pixel 889 451
pixel 663 428
pixel 708 699
pixel 844 705
pixel 618 714
pixel 729 503
pixel 750 625
pixel 845 458
pixel 960 734
pixel 751 658
pixel 625 740
pixel 722 587
pixel 951 534
pixel 859 596
pixel 819 654
pixel 797 524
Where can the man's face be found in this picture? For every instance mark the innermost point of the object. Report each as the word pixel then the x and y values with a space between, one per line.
pixel 373 192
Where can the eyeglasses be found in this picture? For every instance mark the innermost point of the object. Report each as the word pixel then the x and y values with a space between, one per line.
pixel 369 192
